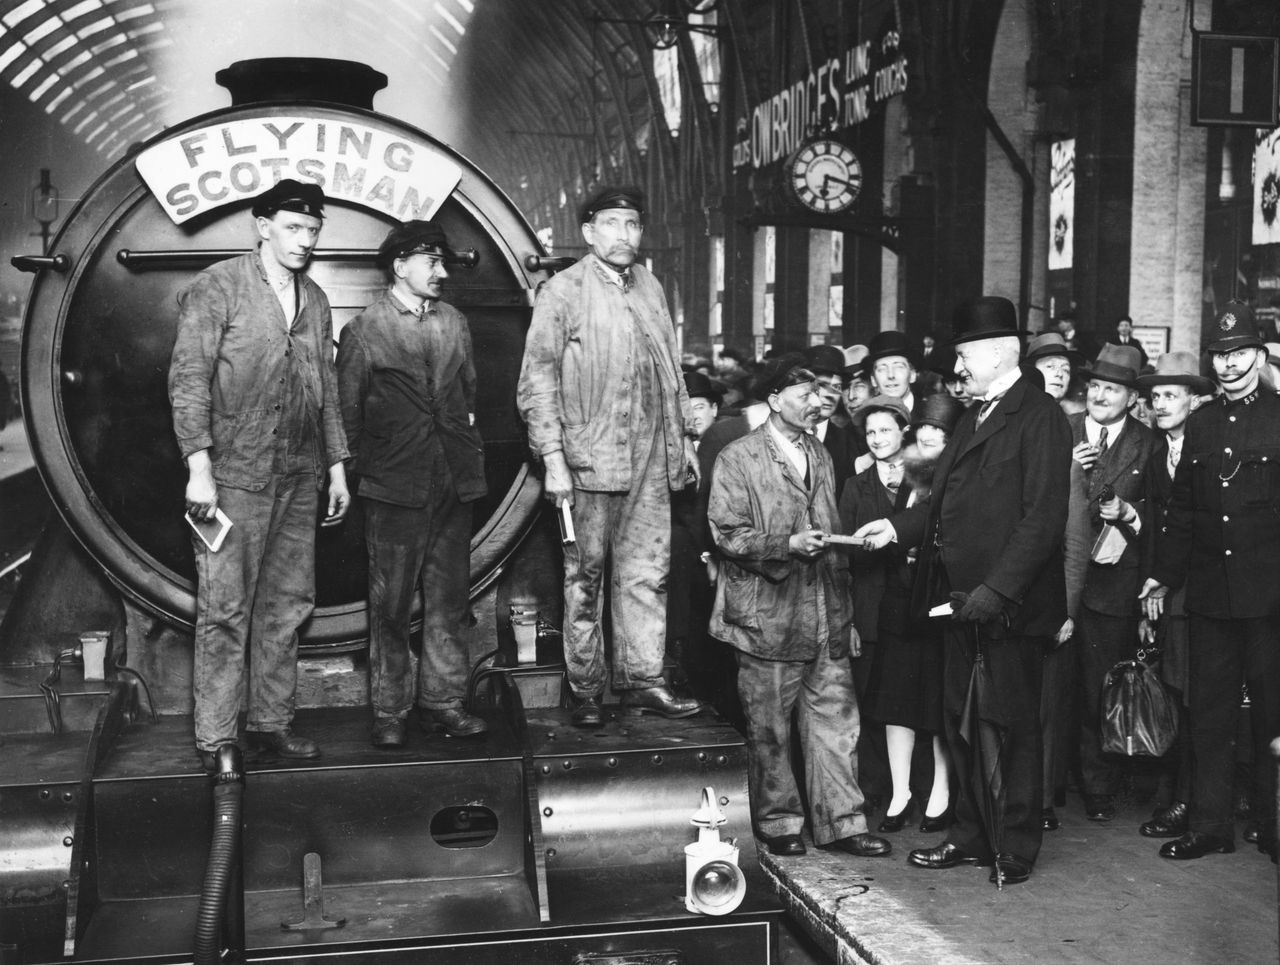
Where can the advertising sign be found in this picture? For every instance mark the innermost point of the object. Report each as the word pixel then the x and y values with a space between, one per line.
pixel 1062 203
pixel 1266 187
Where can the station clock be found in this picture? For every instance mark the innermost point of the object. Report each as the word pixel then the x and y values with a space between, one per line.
pixel 825 176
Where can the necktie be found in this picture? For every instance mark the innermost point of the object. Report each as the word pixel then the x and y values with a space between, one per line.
pixel 1174 456
pixel 894 478
pixel 1102 441
pixel 987 407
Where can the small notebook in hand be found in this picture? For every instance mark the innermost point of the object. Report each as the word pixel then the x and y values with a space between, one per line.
pixel 214 531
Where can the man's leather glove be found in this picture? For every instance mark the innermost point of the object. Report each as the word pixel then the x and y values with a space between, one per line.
pixel 983 605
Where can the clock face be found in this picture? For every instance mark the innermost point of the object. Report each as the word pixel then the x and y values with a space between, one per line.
pixel 825 176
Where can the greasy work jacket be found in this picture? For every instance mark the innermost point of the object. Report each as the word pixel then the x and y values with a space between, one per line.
pixel 577 380
pixel 769 603
pixel 408 388
pixel 243 382
pixel 1222 526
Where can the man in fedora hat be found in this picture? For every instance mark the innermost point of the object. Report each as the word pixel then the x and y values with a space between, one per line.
pixel 407 381
pixel 1219 539
pixel 1176 389
pixel 255 412
pixel 991 547
pixel 607 411
pixel 1113 450
pixel 828 362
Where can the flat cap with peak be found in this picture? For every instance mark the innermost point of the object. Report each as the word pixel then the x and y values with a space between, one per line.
pixel 614 196
pixel 290 195
pixel 411 238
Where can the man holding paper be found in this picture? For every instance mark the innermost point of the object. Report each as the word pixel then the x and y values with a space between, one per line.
pixel 991 537
pixel 255 412
pixel 608 416
pixel 1113 449
pixel 407 381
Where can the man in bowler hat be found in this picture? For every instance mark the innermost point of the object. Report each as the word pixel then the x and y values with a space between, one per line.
pixel 1220 534
pixel 255 412
pixel 841 442
pixel 407 381
pixel 607 410
pixel 991 547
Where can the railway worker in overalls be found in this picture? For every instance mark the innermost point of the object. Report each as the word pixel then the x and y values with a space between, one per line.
pixel 255 412
pixel 608 416
pixel 407 381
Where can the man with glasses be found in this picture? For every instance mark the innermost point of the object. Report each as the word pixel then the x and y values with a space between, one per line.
pixel 1221 529
pixel 407 381
pixel 608 415
pixel 841 442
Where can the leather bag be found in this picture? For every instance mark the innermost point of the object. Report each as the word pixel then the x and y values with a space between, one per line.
pixel 1139 717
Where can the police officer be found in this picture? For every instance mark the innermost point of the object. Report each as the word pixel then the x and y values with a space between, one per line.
pixel 1221 530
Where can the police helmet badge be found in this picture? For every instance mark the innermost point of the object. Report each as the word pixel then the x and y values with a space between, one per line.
pixel 1226 322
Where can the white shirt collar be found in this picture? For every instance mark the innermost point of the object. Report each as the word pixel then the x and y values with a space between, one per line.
pixel 1092 430
pixel 794 451
pixel 820 430
pixel 1002 384
pixel 420 310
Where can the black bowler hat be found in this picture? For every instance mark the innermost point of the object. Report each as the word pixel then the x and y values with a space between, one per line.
pixel 989 316
pixel 1235 328
pixel 411 238
pixel 888 344
pixel 824 360
pixel 939 410
pixel 290 195
pixel 614 196
pixel 1120 364
pixel 701 387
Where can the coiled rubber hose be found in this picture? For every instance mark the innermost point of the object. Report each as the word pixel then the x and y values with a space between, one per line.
pixel 228 798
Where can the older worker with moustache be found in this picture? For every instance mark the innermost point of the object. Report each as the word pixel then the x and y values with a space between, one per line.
pixel 1113 449
pixel 783 603
pixel 991 545
pixel 255 412
pixel 1176 389
pixel 607 411
pixel 1220 534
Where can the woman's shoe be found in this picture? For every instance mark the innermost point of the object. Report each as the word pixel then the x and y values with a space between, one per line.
pixel 895 822
pixel 931 825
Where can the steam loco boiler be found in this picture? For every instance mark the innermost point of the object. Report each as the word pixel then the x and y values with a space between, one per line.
pixel 538 843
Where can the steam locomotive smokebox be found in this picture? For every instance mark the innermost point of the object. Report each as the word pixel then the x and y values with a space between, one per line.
pixel 102 319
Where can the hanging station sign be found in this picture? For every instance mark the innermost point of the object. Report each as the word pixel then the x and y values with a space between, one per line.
pixel 1062 203
pixel 838 93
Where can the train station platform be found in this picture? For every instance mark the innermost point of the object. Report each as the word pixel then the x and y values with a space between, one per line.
pixel 1100 894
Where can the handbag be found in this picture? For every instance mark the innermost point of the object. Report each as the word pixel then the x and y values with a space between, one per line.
pixel 1139 718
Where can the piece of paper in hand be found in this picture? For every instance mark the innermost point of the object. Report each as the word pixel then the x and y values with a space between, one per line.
pixel 212 531
pixel 1109 546
pixel 567 535
pixel 941 610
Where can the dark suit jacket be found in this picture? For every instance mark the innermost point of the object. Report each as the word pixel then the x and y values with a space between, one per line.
pixel 998 512
pixel 866 499
pixel 841 444
pixel 1114 589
